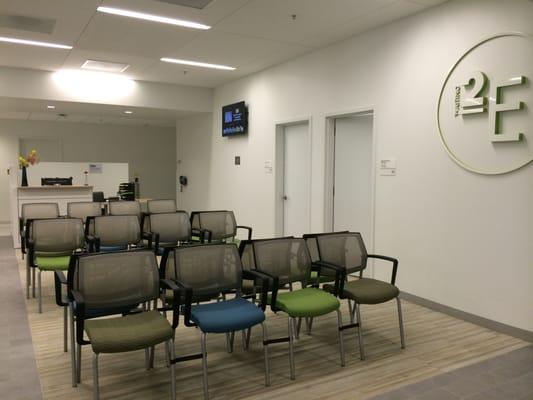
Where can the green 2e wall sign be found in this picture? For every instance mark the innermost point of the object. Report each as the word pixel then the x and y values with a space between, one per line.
pixel 482 116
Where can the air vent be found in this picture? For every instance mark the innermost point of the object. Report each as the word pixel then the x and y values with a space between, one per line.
pixel 105 66
pixel 31 24
pixel 199 4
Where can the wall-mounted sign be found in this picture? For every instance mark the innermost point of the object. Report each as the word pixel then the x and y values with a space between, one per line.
pixel 95 168
pixel 387 167
pixel 484 111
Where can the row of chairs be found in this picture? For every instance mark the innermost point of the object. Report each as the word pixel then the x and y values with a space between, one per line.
pixel 196 281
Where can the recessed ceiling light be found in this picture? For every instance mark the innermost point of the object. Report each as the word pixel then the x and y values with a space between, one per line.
pixel 197 64
pixel 105 66
pixel 128 112
pixel 50 107
pixel 151 17
pixel 34 43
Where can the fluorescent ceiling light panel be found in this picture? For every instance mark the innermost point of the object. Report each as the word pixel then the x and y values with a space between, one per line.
pixel 197 64
pixel 151 17
pixel 128 112
pixel 105 66
pixel 51 107
pixel 34 43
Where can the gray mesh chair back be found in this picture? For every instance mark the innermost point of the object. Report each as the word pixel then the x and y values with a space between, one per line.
pixel 161 206
pixel 115 280
pixel 125 208
pixel 207 269
pixel 171 227
pixel 246 251
pixel 117 230
pixel 39 211
pixel 345 249
pixel 221 224
pixel 286 258
pixel 84 209
pixel 60 236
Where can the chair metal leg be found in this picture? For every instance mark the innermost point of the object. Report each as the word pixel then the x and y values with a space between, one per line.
pixel 352 317
pixel 360 331
pixel 243 334
pixel 28 281
pixel 204 366
pixel 40 293
pixel 248 334
pixel 298 327
pixel 351 311
pixel 73 347
pixel 78 362
pixel 65 329
pixel 310 327
pixel 400 318
pixel 96 389
pixel 265 351
pixel 341 337
pixel 291 348
pixel 152 356
pixel 169 350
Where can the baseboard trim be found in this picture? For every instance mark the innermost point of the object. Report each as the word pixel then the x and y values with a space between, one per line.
pixel 475 319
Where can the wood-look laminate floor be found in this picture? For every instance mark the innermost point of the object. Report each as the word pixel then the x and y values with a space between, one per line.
pixel 436 343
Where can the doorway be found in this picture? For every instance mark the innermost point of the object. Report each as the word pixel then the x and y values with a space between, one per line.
pixel 293 172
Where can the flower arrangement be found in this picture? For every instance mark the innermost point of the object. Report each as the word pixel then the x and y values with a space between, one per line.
pixel 31 159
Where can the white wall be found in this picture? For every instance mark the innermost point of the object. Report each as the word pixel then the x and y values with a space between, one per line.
pixel 194 155
pixel 149 151
pixel 463 239
pixel 9 148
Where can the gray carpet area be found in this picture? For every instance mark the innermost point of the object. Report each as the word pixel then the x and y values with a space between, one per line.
pixel 506 377
pixel 19 379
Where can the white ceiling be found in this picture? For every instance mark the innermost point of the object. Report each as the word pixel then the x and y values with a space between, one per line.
pixel 36 110
pixel 248 34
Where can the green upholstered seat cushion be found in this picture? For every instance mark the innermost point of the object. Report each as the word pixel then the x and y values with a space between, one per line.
pixel 368 291
pixel 52 263
pixel 308 302
pixel 129 333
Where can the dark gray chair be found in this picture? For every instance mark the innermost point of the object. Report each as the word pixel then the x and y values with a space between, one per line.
pixel 161 206
pixel 84 210
pixel 347 250
pixel 114 233
pixel 107 282
pixel 219 226
pixel 124 207
pixel 31 211
pixel 169 229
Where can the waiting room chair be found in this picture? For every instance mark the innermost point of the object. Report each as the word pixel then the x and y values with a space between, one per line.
pixel 162 206
pixel 124 207
pixel 208 271
pixel 347 250
pixel 114 233
pixel 104 284
pixel 287 262
pixel 31 211
pixel 50 246
pixel 83 210
pixel 220 226
pixel 169 229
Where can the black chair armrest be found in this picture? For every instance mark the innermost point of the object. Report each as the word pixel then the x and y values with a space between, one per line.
pixel 80 303
pixel 187 303
pixel 340 274
pixel 59 280
pixel 394 262
pixel 30 249
pixel 168 284
pixel 248 228
pixel 255 275
pixel 273 282
pixel 148 236
pixel 93 242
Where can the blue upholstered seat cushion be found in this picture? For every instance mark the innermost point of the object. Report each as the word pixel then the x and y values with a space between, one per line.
pixel 112 248
pixel 227 316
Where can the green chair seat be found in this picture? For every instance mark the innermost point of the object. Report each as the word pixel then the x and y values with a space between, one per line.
pixel 368 291
pixel 52 263
pixel 129 333
pixel 308 302
pixel 323 278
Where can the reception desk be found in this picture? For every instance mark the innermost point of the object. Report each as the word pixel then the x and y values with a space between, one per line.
pixel 62 195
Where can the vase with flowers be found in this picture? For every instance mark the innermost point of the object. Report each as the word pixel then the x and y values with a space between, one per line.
pixel 25 162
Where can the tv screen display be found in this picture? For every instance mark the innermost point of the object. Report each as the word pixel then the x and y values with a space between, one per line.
pixel 234 119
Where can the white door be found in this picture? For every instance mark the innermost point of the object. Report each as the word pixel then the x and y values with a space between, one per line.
pixel 353 174
pixel 296 172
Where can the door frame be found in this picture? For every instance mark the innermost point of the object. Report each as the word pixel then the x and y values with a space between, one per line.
pixel 279 167
pixel 329 178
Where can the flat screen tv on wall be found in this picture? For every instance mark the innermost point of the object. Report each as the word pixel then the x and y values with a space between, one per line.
pixel 234 119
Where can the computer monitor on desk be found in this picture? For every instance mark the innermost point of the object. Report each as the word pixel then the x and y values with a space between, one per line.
pixel 56 181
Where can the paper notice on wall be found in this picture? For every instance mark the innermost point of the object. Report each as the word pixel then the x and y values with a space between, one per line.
pixel 387 167
pixel 268 166
pixel 95 168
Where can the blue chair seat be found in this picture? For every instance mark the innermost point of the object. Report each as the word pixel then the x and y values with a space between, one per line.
pixel 112 248
pixel 226 316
